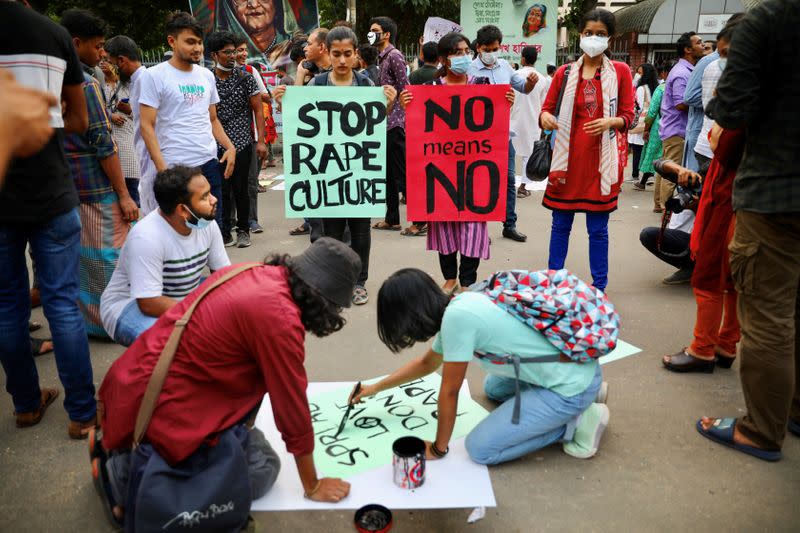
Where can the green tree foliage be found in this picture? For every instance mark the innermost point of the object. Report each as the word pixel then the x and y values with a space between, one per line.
pixel 410 15
pixel 141 20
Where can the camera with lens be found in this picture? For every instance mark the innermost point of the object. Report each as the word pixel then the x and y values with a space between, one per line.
pixel 684 195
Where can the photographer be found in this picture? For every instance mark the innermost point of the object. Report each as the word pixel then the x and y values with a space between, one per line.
pixel 670 242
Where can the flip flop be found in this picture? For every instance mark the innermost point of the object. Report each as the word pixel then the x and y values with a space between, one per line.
pixel 408 232
pixel 300 230
pixel 382 225
pixel 36 346
pixel 721 432
pixel 33 325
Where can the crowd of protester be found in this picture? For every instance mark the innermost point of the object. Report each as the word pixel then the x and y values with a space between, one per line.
pixel 126 195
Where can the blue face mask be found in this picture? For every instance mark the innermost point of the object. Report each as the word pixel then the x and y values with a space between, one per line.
pixel 199 223
pixel 459 64
pixel 722 62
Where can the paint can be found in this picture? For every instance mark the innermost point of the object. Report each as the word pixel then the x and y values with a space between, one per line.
pixel 408 462
pixel 373 518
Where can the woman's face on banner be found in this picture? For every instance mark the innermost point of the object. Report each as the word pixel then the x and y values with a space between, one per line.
pixel 254 15
pixel 535 19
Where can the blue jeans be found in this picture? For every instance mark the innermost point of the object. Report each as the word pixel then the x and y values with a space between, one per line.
pixel 132 323
pixel 511 190
pixel 597 226
pixel 212 170
pixel 55 247
pixel 545 417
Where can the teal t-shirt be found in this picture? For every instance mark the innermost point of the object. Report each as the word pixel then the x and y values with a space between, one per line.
pixel 473 323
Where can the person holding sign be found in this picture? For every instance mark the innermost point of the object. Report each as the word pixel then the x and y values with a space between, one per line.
pixel 470 239
pixel 342 44
pixel 550 401
pixel 586 170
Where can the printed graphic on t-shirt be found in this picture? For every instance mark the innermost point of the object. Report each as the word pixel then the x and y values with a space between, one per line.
pixel 192 93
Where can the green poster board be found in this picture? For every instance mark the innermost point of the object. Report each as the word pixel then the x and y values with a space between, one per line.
pixel 372 426
pixel 334 152
pixel 523 23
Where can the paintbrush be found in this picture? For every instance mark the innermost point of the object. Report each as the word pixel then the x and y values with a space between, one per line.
pixel 356 390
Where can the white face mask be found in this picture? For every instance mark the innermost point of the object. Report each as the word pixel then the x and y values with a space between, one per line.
pixel 490 58
pixel 594 45
pixel 636 79
pixel 722 62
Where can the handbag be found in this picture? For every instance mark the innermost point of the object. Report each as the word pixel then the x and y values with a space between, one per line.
pixel 637 126
pixel 209 491
pixel 538 166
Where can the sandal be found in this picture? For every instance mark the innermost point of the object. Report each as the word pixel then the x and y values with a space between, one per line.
pixel 99 458
pixel 451 291
pixel 414 231
pixel 36 346
pixel 300 230
pixel 34 326
pixel 32 418
pixel 721 432
pixel 360 296
pixel 383 225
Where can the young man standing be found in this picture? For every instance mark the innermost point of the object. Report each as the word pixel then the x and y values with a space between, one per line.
pixel 178 106
pixel 368 62
pixel 165 255
pixel 489 65
pixel 239 100
pixel 123 52
pixel 674 111
pixel 427 72
pixel 255 162
pixel 382 35
pixel 106 207
pixel 39 208
pixel 525 114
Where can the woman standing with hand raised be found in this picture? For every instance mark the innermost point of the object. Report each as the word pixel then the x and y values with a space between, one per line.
pixel 586 171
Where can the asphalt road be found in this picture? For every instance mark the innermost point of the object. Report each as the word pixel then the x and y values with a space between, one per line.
pixel 653 471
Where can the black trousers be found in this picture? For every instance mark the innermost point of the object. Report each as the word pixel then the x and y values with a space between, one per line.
pixel 360 238
pixel 235 193
pixel 395 173
pixel 467 272
pixel 636 150
pixel 675 244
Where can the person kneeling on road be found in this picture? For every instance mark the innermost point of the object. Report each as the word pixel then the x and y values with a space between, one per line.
pixel 221 371
pixel 670 242
pixel 164 256
pixel 556 400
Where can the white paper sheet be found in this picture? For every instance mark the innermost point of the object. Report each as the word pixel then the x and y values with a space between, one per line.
pixel 453 482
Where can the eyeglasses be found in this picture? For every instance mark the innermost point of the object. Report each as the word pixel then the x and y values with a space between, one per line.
pixel 226 52
pixel 240 3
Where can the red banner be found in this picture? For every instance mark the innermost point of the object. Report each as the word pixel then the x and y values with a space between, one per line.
pixel 457 153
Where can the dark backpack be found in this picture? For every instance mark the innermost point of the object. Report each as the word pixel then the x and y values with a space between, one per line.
pixel 321 80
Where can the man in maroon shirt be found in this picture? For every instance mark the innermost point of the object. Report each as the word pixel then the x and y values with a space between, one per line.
pixel 222 369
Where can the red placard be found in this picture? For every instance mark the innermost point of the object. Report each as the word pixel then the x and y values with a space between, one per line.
pixel 457 153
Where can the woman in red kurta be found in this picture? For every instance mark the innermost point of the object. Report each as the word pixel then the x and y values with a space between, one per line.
pixel 589 154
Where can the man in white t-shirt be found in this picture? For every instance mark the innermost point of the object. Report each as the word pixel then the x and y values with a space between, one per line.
pixel 525 114
pixel 178 112
pixel 165 255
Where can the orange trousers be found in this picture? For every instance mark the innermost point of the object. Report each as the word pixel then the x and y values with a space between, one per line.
pixel 717 325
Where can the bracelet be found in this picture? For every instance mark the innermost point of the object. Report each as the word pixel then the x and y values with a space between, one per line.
pixel 437 452
pixel 308 495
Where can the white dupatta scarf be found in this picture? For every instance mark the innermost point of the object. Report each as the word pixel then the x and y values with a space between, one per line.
pixel 609 159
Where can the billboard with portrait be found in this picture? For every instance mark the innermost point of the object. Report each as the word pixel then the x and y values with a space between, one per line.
pixel 523 23
pixel 266 24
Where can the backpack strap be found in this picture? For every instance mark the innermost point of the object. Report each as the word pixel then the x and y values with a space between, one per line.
pixel 516 361
pixel 159 375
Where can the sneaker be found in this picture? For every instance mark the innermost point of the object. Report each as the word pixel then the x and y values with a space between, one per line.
pixel 227 239
pixel 242 239
pixel 679 277
pixel 360 295
pixel 602 394
pixel 592 424
pixel 255 227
